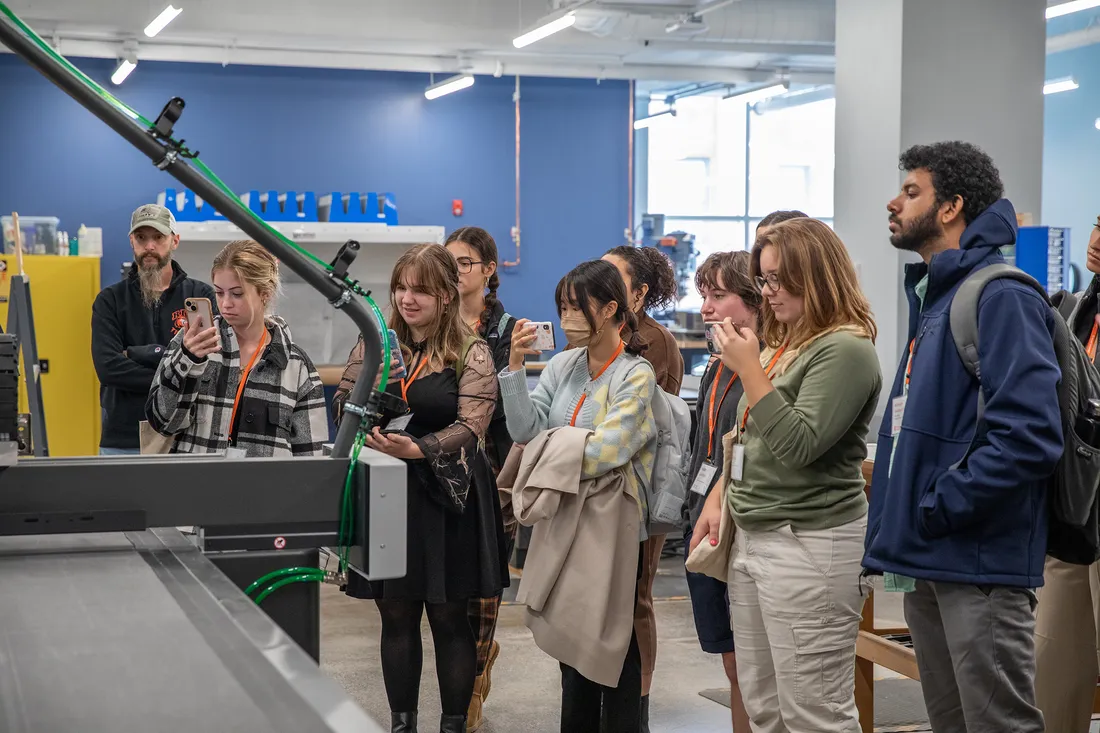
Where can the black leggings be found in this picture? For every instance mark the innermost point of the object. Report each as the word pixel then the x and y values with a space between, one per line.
pixel 403 656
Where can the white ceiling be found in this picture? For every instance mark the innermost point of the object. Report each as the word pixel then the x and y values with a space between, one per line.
pixel 744 41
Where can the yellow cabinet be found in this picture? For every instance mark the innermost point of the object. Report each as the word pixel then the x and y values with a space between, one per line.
pixel 62 290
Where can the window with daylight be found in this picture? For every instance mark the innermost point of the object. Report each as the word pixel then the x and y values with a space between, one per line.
pixel 716 168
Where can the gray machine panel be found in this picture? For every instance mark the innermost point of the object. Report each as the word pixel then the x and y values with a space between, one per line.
pixel 139 632
pixel 387 522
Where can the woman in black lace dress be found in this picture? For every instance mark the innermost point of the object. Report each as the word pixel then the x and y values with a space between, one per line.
pixel 455 536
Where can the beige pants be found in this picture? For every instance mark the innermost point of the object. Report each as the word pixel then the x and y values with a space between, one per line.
pixel 1066 623
pixel 795 602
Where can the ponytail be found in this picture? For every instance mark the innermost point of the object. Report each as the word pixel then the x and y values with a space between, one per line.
pixel 635 344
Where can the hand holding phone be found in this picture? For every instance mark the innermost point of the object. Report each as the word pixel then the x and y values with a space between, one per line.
pixel 199 312
pixel 544 336
pixel 708 333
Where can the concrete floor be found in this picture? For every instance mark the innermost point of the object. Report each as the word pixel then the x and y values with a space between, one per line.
pixel 526 693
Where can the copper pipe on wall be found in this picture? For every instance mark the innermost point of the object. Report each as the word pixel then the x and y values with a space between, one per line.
pixel 515 229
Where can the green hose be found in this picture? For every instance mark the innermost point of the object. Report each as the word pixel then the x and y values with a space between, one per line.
pixel 347 528
pixel 304 578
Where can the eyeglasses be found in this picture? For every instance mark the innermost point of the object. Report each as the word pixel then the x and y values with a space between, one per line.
pixel 465 264
pixel 772 281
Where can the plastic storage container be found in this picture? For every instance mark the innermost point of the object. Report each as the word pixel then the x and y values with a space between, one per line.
pixel 39 234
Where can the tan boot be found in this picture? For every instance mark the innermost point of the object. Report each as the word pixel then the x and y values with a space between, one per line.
pixel 473 716
pixel 494 652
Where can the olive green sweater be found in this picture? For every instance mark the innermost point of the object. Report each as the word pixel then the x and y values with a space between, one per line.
pixel 805 442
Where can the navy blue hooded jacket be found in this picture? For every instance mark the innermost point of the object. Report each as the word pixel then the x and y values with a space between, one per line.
pixel 984 523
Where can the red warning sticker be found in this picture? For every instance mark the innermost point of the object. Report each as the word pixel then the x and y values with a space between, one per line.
pixel 280 543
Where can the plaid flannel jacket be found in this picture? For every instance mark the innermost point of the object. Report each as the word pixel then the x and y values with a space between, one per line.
pixel 282 409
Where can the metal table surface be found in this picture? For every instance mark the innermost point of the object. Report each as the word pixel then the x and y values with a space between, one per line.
pixel 137 631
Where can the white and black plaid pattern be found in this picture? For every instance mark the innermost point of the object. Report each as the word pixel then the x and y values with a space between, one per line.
pixel 282 410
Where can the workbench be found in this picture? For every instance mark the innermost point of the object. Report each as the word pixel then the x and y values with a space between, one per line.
pixel 138 632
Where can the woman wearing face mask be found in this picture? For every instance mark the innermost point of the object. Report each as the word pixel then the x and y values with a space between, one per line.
pixel 475 250
pixel 729 296
pixel 242 384
pixel 455 534
pixel 795 484
pixel 575 390
pixel 650 285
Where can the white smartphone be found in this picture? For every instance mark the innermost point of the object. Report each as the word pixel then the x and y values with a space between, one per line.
pixel 712 343
pixel 200 311
pixel 544 336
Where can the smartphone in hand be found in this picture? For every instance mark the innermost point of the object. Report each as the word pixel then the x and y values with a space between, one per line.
pixel 544 336
pixel 199 311
pixel 712 343
pixel 397 371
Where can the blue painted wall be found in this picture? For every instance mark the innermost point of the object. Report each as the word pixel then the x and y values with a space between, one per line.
pixel 324 130
pixel 1071 148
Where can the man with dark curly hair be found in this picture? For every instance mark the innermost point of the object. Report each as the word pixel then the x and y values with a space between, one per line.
pixel 958 515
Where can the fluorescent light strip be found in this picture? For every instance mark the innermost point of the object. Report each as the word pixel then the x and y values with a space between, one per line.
pixel 447 86
pixel 548 28
pixel 1076 6
pixel 750 96
pixel 1060 85
pixel 645 122
pixel 123 71
pixel 166 16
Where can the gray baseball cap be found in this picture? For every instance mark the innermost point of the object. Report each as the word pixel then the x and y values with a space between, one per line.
pixel 153 215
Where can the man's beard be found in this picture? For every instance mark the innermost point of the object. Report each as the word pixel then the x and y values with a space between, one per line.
pixel 149 275
pixel 914 235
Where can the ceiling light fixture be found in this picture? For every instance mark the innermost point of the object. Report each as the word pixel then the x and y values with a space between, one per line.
pixel 548 26
pixel 751 95
pixel 166 16
pixel 1097 123
pixel 1060 85
pixel 645 122
pixel 124 68
pixel 1057 11
pixel 449 85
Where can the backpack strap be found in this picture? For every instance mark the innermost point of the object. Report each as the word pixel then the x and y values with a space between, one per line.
pixel 502 324
pixel 964 325
pixel 468 342
pixel 964 310
pixel 1065 302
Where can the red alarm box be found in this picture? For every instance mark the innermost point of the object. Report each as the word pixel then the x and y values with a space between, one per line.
pixel 456 207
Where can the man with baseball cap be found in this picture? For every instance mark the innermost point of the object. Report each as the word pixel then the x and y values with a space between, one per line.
pixel 132 323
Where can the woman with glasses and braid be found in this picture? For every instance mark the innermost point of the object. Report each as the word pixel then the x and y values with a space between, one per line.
pixel 475 250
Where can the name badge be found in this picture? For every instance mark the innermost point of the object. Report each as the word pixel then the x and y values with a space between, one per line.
pixel 897 413
pixel 399 423
pixel 705 479
pixel 737 462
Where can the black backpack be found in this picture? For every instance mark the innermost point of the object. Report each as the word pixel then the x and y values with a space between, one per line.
pixel 1074 525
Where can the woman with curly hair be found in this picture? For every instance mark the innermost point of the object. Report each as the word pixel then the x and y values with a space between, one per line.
pixel 650 285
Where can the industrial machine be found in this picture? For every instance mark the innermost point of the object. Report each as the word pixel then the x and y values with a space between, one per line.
pixel 113 623
pixel 679 246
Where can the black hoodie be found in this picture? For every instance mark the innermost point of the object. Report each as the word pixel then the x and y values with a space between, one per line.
pixel 128 340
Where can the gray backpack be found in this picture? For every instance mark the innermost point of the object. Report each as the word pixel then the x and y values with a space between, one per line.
pixel 1074 522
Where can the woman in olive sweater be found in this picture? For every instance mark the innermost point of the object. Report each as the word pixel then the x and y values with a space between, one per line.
pixel 795 489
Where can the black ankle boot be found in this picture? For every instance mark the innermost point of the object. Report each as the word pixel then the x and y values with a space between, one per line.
pixel 403 722
pixel 644 727
pixel 452 724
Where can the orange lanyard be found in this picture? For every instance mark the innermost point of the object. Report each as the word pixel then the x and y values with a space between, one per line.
pixel 909 366
pixel 768 372
pixel 712 413
pixel 406 382
pixel 577 409
pixel 244 378
pixel 1090 347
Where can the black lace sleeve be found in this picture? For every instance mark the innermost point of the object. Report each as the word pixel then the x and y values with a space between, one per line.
pixel 449 453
